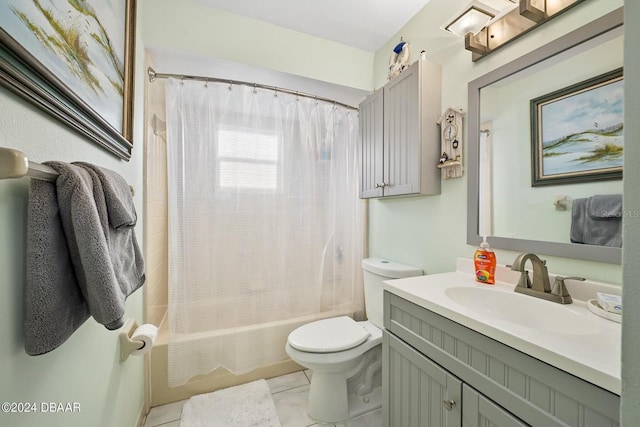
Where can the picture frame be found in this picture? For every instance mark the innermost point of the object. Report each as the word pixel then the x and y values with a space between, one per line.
pixel 75 61
pixel 577 132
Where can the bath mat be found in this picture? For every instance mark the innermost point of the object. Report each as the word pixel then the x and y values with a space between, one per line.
pixel 246 405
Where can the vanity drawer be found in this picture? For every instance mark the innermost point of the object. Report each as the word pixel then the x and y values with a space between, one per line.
pixel 536 392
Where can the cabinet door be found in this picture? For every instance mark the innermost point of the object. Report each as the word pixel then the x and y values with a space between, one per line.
pixel 371 136
pixel 417 392
pixel 402 131
pixel 478 411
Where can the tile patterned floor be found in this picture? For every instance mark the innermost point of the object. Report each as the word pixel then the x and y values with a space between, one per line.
pixel 290 396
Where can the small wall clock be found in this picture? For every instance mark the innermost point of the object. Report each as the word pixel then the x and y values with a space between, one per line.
pixel 451 143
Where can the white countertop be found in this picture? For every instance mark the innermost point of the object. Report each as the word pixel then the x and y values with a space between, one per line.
pixel 594 357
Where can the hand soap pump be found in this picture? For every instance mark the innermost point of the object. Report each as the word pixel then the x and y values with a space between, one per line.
pixel 484 263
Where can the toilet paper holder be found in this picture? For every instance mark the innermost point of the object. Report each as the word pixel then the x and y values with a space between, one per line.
pixel 127 345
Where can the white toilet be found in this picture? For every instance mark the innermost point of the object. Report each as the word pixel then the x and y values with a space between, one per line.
pixel 344 355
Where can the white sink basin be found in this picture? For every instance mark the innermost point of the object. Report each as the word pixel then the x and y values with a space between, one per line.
pixel 568 337
pixel 523 310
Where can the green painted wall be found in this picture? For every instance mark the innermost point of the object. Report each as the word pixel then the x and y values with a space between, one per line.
pixel 192 27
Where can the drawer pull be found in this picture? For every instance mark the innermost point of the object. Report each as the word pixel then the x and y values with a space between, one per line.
pixel 449 404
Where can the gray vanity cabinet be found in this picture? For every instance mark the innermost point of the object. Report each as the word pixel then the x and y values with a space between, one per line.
pixel 399 134
pixel 420 393
pixel 417 388
pixel 437 372
pixel 478 411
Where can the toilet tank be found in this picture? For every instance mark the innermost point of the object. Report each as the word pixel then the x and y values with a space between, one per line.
pixel 375 271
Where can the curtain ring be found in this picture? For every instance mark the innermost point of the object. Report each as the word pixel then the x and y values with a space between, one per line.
pixel 206 82
pixel 230 83
pixel 255 88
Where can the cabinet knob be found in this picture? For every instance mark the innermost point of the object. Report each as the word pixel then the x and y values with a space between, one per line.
pixel 384 184
pixel 449 404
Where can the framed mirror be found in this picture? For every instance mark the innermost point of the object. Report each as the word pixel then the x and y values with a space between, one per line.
pixel 504 201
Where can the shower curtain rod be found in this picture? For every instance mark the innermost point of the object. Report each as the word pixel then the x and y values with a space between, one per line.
pixel 153 76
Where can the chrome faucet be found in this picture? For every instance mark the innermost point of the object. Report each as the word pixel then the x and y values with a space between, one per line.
pixel 540 286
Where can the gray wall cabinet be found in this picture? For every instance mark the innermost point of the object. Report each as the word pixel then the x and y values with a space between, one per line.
pixel 437 372
pixel 399 134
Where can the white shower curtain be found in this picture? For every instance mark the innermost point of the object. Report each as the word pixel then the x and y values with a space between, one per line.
pixel 265 227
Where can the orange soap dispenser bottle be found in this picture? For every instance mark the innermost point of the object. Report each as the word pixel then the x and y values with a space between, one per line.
pixel 484 262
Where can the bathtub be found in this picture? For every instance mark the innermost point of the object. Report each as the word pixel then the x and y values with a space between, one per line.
pixel 160 393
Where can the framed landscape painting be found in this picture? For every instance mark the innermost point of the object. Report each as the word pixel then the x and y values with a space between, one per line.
pixel 577 132
pixel 73 59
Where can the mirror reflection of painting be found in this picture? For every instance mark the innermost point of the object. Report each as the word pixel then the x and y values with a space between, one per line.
pixel 578 131
pixel 80 41
pixel 584 147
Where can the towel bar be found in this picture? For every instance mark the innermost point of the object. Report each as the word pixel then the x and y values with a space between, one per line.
pixel 14 164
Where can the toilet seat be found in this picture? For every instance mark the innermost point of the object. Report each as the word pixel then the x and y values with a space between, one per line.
pixel 328 335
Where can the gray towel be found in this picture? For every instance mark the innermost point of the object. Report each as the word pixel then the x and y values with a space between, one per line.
pixel 54 305
pixel 107 261
pixel 116 209
pixel 79 264
pixel 117 196
pixel 597 220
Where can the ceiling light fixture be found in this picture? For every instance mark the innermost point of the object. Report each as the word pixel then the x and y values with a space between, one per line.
pixel 489 24
pixel 472 20
pixel 477 15
pixel 536 10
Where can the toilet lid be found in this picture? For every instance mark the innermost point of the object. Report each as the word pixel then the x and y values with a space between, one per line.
pixel 328 335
